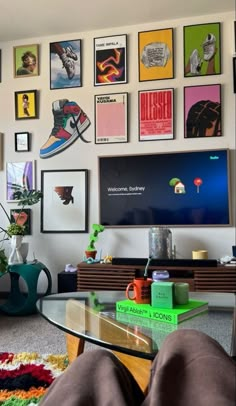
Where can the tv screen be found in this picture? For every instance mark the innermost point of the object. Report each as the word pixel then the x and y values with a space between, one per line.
pixel 175 189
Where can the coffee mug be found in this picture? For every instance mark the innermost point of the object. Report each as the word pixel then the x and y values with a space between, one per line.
pixel 142 290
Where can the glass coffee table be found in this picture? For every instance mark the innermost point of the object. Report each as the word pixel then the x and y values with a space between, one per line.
pixel 91 316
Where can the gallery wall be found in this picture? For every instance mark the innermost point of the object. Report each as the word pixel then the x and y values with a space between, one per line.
pixel 58 249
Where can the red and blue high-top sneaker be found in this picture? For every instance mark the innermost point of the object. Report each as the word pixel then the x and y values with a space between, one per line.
pixel 69 123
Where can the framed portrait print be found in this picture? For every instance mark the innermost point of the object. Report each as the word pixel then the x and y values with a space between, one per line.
pixel 20 176
pixel 202 49
pixel 202 111
pixel 65 64
pixel 26 104
pixel 64 206
pixel 23 218
pixel 156 54
pixel 22 142
pixel 26 60
pixel 156 115
pixel 110 60
pixel 111 118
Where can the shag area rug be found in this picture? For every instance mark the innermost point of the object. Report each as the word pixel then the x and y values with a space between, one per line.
pixel 25 377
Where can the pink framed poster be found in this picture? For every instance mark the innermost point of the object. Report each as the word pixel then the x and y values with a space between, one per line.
pixel 156 114
pixel 111 118
pixel 202 111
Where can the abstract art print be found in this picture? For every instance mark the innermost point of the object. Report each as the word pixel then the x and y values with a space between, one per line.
pixel 111 118
pixel 20 176
pixel 156 54
pixel 202 111
pixel 64 206
pixel 156 115
pixel 202 50
pixel 110 60
pixel 65 64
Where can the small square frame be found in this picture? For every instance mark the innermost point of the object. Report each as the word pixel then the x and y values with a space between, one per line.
pixel 22 142
pixel 64 206
pixel 26 104
pixel 111 112
pixel 110 60
pixel 31 54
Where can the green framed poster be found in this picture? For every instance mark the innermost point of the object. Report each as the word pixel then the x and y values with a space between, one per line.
pixel 202 50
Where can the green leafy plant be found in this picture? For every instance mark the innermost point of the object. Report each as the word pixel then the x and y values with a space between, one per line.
pixel 3 261
pixel 93 237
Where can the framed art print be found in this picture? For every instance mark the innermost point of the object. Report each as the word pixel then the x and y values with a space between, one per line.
pixel 65 64
pixel 202 111
pixel 64 206
pixel 26 104
pixel 111 118
pixel 19 177
pixel 202 50
pixel 110 60
pixel 156 54
pixel 22 142
pixel 26 60
pixel 156 115
pixel 234 74
pixel 23 218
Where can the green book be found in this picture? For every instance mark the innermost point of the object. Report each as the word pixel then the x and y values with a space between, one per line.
pixel 174 316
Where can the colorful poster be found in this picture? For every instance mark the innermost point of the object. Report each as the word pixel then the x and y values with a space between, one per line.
pixel 111 118
pixel 202 111
pixel 110 65
pixel 156 115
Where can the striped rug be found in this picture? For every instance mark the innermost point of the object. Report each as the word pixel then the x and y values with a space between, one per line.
pixel 25 377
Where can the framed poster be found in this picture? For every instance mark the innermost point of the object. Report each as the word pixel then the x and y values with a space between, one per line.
pixel 65 64
pixel 26 60
pixel 202 50
pixel 22 142
pixel 20 176
pixel 111 118
pixel 156 114
pixel 110 60
pixel 202 111
pixel 156 54
pixel 234 73
pixel 26 104
pixel 23 218
pixel 64 206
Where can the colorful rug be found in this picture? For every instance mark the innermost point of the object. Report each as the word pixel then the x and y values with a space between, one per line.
pixel 25 377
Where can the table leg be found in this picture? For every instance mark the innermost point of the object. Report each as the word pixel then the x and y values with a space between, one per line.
pixel 75 347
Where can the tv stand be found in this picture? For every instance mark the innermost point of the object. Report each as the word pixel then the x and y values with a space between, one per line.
pixel 116 277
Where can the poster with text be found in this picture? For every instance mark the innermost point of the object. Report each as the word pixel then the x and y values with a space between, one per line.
pixel 156 115
pixel 111 118
pixel 110 64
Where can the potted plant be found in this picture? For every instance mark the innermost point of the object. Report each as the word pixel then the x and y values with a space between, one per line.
pixel 15 229
pixel 93 237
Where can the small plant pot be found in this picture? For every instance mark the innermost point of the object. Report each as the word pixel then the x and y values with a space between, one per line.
pixel 91 254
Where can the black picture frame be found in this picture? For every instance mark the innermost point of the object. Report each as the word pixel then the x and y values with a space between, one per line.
pixel 64 206
pixel 26 104
pixel 110 60
pixel 234 74
pixel 22 142
pixel 0 65
pixel 27 223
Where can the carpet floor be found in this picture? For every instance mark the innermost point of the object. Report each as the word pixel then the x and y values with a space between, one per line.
pixel 25 377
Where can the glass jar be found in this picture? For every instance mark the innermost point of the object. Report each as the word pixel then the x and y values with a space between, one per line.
pixel 160 243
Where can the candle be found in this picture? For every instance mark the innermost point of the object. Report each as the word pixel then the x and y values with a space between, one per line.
pixel 181 293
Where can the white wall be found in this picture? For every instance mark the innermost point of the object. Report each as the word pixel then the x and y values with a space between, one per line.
pixel 55 250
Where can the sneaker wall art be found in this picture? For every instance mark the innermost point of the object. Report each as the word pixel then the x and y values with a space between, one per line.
pixel 70 122
pixel 65 64
pixel 202 50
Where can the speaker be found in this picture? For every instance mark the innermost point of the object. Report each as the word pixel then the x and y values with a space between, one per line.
pixel 165 262
pixel 234 250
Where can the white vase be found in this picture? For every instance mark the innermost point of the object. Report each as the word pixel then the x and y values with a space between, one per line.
pixel 15 255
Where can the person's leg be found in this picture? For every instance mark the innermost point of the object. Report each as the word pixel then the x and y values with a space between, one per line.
pixel 95 378
pixel 192 369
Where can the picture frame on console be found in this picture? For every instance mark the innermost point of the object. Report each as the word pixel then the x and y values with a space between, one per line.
pixel 64 206
pixel 156 123
pixel 202 101
pixel 111 118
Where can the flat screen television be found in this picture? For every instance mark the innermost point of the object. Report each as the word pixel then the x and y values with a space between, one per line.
pixel 174 189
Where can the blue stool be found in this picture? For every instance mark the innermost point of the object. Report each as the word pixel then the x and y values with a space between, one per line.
pixel 19 303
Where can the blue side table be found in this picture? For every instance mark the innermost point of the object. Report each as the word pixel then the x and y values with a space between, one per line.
pixel 19 303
